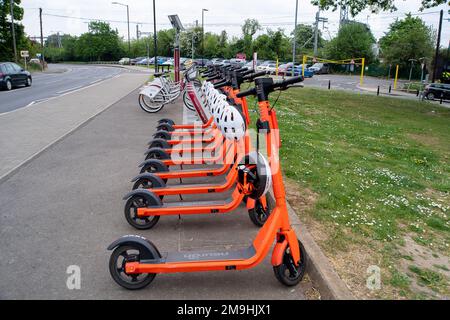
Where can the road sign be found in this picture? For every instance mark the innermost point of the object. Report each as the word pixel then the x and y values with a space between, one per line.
pixel 24 54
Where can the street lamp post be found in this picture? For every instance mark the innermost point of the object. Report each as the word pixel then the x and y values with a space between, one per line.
pixel 294 47
pixel 128 22
pixel 412 66
pixel 423 60
pixel 155 40
pixel 13 29
pixel 203 36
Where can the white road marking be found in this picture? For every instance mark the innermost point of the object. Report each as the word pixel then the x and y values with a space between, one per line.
pixel 69 90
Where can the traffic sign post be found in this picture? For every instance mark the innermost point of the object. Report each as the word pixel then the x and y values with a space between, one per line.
pixel 25 54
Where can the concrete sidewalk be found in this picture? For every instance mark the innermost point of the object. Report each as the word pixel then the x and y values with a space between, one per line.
pixel 24 133
pixel 65 207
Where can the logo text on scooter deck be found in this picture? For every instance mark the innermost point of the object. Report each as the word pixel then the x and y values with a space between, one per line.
pixel 197 256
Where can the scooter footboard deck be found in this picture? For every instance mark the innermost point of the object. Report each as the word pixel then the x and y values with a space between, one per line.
pixel 196 256
pixel 217 203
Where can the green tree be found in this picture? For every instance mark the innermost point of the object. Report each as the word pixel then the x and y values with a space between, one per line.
pixel 407 39
pixel 305 37
pixel 100 43
pixel 6 39
pixel 166 41
pixel 356 6
pixel 191 35
pixel 354 40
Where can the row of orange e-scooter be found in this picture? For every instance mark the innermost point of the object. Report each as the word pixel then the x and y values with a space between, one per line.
pixel 220 146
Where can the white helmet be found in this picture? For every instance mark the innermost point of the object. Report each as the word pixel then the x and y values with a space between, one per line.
pixel 231 122
pixel 263 173
pixel 218 106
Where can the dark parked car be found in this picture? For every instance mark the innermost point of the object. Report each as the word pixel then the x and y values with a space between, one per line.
pixel 436 91
pixel 12 75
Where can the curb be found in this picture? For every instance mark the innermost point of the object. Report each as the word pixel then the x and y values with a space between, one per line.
pixel 319 269
pixel 67 134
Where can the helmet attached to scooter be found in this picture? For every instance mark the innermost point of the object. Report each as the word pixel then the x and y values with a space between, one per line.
pixel 231 122
pixel 262 174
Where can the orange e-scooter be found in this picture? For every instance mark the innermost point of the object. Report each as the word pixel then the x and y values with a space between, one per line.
pixel 135 261
pixel 162 150
pixel 156 167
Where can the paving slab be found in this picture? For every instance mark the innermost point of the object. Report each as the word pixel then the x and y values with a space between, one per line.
pixel 65 207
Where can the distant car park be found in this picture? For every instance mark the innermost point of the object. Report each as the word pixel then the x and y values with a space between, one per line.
pixel 13 75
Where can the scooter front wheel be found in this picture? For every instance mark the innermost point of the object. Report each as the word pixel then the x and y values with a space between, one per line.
pixel 131 208
pixel 288 273
pixel 117 263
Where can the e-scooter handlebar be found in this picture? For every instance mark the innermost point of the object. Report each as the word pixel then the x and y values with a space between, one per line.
pixel 253 76
pixel 282 85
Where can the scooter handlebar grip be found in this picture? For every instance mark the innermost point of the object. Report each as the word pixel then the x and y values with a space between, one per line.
pixel 213 78
pixel 288 82
pixel 221 84
pixel 255 75
pixel 250 92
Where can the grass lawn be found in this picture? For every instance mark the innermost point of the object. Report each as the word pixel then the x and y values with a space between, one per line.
pixel 370 176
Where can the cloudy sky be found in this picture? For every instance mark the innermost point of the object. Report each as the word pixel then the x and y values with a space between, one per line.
pixel 222 15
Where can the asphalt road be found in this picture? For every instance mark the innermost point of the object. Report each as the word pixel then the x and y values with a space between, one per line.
pixel 61 79
pixel 65 207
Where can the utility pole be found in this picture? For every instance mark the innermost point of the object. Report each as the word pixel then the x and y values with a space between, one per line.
pixel 137 32
pixel 203 36
pixel 294 46
pixel 155 37
pixel 343 15
pixel 42 40
pixel 316 32
pixel 13 29
pixel 438 46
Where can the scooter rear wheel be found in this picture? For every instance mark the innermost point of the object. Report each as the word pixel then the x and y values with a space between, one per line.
pixel 288 273
pixel 131 208
pixel 258 214
pixel 117 262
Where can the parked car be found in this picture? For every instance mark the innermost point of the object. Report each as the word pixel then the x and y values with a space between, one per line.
pixel 125 61
pixel 203 62
pixel 320 68
pixel 34 61
pixel 436 90
pixel 216 61
pixel 136 60
pixel 144 62
pixel 264 65
pixel 13 75
pixel 169 62
pixel 271 68
pixel 224 63
pixel 286 70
